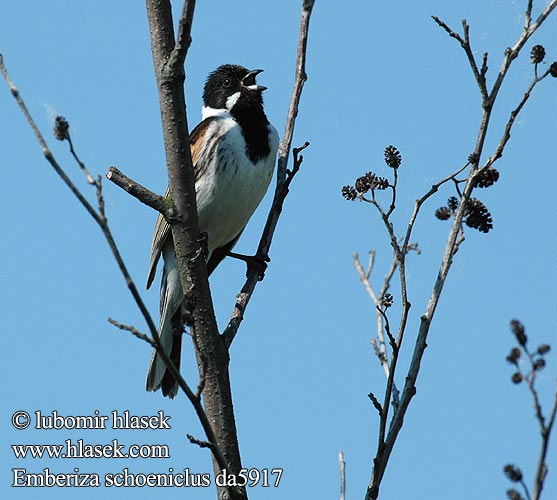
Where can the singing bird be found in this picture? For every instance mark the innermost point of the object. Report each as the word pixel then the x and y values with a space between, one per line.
pixel 233 151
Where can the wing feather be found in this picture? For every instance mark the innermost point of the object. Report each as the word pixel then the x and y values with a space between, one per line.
pixel 162 228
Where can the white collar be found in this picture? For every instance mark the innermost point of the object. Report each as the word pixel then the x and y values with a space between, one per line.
pixel 207 112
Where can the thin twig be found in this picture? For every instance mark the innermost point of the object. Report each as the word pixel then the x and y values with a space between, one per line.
pixel 483 70
pixel 284 177
pixel 393 190
pixel 381 350
pixel 134 331
pixel 420 201
pixel 101 220
pixel 545 426
pixel 392 341
pixel 98 218
pixel 512 52
pixel 298 159
pixel 183 39
pixel 528 15
pixel 455 238
pixel 200 387
pixel 377 405
pixel 365 275
pixel 479 75
pixel 342 467
pixel 508 127
pixel 199 442
pixel 526 490
pixel 82 166
pixel 138 191
pixel 541 469
pixel 46 151
pixel 299 81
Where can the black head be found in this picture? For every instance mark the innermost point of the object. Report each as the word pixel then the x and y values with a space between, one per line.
pixel 230 83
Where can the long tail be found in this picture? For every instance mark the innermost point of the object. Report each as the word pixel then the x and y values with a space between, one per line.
pixel 170 327
pixel 171 324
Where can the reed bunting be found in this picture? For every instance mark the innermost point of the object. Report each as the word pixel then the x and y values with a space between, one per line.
pixel 233 151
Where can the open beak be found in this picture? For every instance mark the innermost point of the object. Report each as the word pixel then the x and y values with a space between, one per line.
pixel 249 81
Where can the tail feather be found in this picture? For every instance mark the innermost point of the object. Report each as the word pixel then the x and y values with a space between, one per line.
pixel 159 377
pixel 170 327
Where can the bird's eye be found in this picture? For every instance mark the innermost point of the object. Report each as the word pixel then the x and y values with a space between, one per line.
pixel 227 83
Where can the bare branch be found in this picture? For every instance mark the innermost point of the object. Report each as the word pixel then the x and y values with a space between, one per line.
pixel 512 52
pixel 183 40
pixel 479 75
pixel 388 278
pixel 451 33
pixel 139 192
pixel 537 363
pixel 387 439
pixel 393 197
pixel 424 198
pixel 200 443
pixel 82 166
pixel 508 127
pixel 101 220
pixel 200 387
pixel 376 404
pixel 299 81
pixel 342 467
pixel 284 178
pixel 253 276
pixel 392 341
pixel 364 275
pixel 370 263
pixel 210 351
pixel 528 15
pixel 298 159
pixel 382 325
pixel 42 143
pixel 484 68
pixel 134 331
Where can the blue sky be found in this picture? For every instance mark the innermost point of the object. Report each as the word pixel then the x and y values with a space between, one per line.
pixel 302 364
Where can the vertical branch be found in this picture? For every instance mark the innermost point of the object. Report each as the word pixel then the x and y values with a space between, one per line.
pixel 455 237
pixel 377 299
pixel 299 81
pixel 211 353
pixel 141 193
pixel 535 363
pixel 512 52
pixel 342 467
pixel 284 176
pixel 169 71
pixel 541 469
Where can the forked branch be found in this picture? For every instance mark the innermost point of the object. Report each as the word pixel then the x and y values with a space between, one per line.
pixel 463 207
pixel 284 177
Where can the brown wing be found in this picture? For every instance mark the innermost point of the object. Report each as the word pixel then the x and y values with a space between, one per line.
pixel 162 228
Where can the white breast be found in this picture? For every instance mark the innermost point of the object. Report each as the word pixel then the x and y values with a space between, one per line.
pixel 228 195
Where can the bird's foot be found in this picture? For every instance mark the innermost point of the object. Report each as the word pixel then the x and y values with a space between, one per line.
pixel 255 263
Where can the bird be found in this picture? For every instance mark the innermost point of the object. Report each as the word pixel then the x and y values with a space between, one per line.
pixel 233 151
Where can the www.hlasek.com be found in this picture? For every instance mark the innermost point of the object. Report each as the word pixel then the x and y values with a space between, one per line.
pixel 79 449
